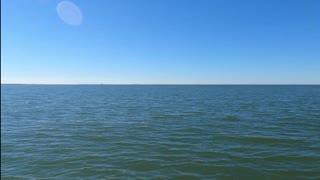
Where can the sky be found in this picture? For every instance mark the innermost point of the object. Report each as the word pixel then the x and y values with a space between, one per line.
pixel 160 41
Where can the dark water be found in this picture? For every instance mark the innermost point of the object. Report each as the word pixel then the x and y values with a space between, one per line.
pixel 161 132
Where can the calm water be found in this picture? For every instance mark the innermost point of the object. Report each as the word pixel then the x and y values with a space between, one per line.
pixel 161 132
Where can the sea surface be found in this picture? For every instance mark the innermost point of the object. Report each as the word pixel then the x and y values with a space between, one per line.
pixel 160 132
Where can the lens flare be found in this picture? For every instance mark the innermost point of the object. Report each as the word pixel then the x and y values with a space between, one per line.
pixel 69 13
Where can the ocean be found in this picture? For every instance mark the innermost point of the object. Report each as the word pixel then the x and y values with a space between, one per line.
pixel 160 132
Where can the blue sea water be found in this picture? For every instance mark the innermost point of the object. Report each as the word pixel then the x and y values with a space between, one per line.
pixel 160 132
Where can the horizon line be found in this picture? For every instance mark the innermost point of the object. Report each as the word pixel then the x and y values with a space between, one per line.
pixel 142 84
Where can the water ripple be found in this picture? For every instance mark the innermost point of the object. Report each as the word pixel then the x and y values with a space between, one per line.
pixel 160 132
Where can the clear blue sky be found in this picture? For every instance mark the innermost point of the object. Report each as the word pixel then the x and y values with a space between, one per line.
pixel 162 41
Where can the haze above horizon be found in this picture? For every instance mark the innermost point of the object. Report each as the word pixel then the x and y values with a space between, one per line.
pixel 160 42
